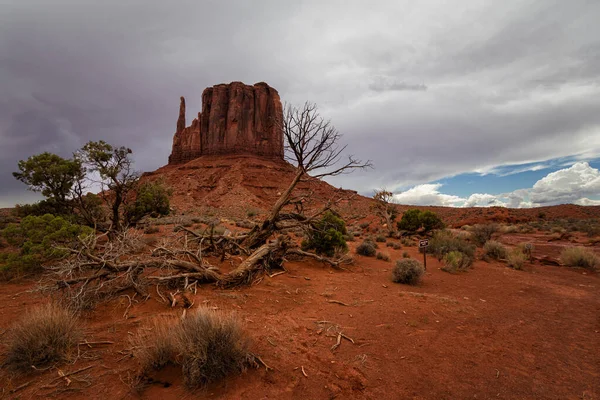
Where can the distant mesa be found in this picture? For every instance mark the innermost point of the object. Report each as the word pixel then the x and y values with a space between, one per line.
pixel 235 119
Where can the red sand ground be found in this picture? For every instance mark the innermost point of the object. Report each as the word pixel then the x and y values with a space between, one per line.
pixel 492 332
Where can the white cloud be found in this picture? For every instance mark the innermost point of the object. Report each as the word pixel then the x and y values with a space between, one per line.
pixel 427 194
pixel 569 185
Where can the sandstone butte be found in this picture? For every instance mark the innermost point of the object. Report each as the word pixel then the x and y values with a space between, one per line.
pixel 235 119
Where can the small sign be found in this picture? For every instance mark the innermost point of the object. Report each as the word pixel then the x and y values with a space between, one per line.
pixel 423 243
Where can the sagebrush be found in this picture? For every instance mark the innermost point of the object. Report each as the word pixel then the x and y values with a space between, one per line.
pixel 408 271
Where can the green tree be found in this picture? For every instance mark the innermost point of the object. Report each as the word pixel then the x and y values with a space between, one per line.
pixel 52 176
pixel 410 220
pixel 430 221
pixel 115 170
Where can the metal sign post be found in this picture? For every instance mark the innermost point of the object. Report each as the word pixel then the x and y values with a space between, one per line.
pixel 423 245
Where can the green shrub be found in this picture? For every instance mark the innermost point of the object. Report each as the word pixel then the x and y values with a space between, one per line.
pixel 516 259
pixel 494 250
pixel 481 233
pixel 430 221
pixel 579 257
pixel 443 242
pixel 364 225
pixel 456 261
pixel 40 239
pixel 412 220
pixel 407 271
pixel 366 248
pixel 152 199
pixel 382 256
pixel 326 236
pixel 45 335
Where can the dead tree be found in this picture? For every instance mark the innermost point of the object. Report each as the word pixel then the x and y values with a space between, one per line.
pixel 385 209
pixel 312 145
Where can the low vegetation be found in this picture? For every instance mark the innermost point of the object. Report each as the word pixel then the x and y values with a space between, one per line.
pixel 382 256
pixel 456 261
pixel 208 345
pixel 408 271
pixel 40 240
pixel 579 257
pixel 515 259
pixel 481 233
pixel 366 248
pixel 494 250
pixel 444 242
pixel 326 236
pixel 45 335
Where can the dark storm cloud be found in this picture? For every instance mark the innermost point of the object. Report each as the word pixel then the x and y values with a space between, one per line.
pixel 425 89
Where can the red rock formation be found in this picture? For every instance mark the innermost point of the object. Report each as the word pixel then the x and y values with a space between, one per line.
pixel 235 119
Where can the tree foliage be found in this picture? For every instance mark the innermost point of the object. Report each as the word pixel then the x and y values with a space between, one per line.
pixel 412 220
pixel 385 209
pixel 51 175
pixel 326 236
pixel 40 239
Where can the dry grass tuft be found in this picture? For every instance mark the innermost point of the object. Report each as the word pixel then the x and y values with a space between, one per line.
pixel 46 334
pixel 579 257
pixel 208 345
pixel 516 259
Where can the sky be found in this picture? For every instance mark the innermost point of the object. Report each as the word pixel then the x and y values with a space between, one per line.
pixel 464 103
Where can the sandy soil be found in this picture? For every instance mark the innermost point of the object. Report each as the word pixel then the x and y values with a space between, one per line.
pixel 492 332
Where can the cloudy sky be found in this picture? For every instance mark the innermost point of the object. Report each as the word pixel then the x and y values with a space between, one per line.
pixel 466 102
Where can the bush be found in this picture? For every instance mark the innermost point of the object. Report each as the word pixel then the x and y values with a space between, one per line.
pixel 579 257
pixel 481 233
pixel 430 221
pixel 407 271
pixel 382 256
pixel 45 335
pixel 366 248
pixel 380 239
pixel 327 235
pixel 516 259
pixel 456 261
pixel 443 242
pixel 364 225
pixel 412 220
pixel 152 199
pixel 40 240
pixel 405 254
pixel 494 250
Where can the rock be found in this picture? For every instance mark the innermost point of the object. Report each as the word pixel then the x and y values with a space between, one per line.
pixel 235 119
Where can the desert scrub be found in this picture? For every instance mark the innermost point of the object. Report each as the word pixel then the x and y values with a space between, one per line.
pixel 443 242
pixel 579 257
pixel 382 256
pixel 407 271
pixel 405 254
pixel 380 239
pixel 481 233
pixel 366 248
pixel 456 261
pixel 494 250
pixel 45 335
pixel 326 236
pixel 208 345
pixel 212 345
pixel 516 259
pixel 40 239
pixel 151 229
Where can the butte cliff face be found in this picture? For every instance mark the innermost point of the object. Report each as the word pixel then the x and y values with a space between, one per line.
pixel 235 119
